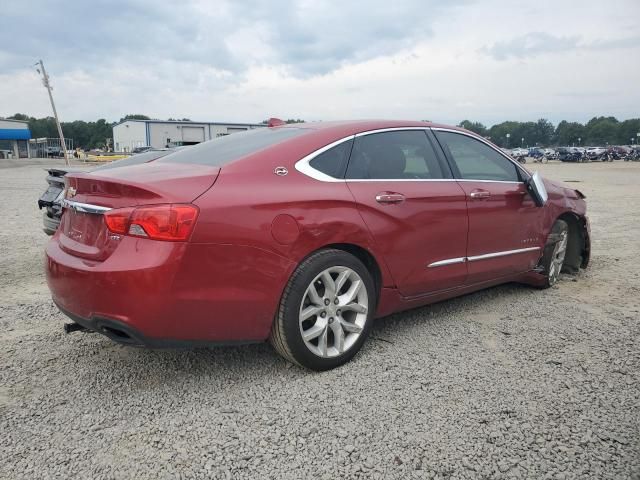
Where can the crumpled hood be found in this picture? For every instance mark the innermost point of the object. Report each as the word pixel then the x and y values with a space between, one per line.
pixel 561 188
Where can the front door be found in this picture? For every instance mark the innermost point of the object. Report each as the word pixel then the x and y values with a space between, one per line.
pixel 504 222
pixel 415 211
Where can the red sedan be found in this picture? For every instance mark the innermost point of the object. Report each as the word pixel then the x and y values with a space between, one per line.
pixel 303 234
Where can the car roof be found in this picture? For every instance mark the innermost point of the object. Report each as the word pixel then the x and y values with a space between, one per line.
pixel 351 127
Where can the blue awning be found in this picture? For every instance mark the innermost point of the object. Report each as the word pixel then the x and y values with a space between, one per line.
pixel 15 134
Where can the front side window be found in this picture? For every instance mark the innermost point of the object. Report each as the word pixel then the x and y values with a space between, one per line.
pixel 404 154
pixel 475 160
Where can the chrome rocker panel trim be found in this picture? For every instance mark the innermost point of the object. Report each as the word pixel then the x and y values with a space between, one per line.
pixel 486 256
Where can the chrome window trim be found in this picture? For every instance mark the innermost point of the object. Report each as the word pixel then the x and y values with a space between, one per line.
pixel 85 207
pixel 303 166
pixel 488 144
pixel 486 256
pixel 386 180
pixel 390 129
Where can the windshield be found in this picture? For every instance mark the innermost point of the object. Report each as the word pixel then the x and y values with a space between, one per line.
pixel 223 150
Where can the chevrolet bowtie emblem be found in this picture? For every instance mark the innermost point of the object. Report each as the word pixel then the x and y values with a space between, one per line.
pixel 71 192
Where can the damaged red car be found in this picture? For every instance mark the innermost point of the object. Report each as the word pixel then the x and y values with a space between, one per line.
pixel 303 234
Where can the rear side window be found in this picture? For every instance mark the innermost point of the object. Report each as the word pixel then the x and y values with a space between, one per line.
pixel 223 150
pixel 404 154
pixel 475 160
pixel 333 161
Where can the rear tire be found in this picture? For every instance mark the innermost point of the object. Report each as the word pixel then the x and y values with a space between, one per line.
pixel 326 311
pixel 554 253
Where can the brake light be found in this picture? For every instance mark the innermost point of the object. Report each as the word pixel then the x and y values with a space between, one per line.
pixel 157 222
pixel 118 220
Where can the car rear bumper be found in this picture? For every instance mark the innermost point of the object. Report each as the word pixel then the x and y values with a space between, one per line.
pixel 169 293
pixel 124 333
pixel 50 224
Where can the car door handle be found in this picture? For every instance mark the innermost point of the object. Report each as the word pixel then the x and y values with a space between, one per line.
pixel 479 194
pixel 389 197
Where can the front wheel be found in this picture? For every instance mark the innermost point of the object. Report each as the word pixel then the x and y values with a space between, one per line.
pixel 325 312
pixel 554 252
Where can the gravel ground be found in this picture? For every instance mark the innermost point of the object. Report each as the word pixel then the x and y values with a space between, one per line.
pixel 510 382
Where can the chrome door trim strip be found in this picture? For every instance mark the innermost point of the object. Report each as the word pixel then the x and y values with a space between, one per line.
pixel 501 254
pixel 85 207
pixel 453 261
pixel 449 261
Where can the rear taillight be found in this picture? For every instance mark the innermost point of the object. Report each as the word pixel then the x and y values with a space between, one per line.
pixel 157 222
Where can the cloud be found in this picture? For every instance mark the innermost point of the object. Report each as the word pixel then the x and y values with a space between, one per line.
pixel 307 37
pixel 233 60
pixel 540 43
pixel 530 44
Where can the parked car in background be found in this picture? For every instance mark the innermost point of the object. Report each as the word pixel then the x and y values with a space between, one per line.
pixel 596 153
pixel 143 149
pixel 616 153
pixel 519 152
pixel 569 154
pixel 303 234
pixel 634 153
pixel 550 154
pixel 51 199
pixel 535 152
pixel 53 152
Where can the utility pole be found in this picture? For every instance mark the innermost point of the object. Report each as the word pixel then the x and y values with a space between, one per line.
pixel 45 81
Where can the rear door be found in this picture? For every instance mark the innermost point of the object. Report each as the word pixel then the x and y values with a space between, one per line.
pixel 504 222
pixel 415 211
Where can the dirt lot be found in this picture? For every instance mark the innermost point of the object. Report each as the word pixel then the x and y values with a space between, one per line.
pixel 511 382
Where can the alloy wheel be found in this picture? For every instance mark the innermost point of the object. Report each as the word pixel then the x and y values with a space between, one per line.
pixel 557 258
pixel 333 311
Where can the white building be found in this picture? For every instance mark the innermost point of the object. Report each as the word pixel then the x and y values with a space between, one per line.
pixel 159 133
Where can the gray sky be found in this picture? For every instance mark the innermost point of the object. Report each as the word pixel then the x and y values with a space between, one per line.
pixel 247 60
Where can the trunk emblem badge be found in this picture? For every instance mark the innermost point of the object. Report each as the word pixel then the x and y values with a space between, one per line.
pixel 71 192
pixel 280 171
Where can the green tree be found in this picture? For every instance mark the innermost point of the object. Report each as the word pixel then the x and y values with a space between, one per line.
pixel 602 130
pixel 628 132
pixel 544 132
pixel 134 116
pixel 498 134
pixel 19 116
pixel 475 127
pixel 568 133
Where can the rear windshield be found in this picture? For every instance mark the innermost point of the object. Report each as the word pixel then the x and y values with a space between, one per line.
pixel 223 150
pixel 136 159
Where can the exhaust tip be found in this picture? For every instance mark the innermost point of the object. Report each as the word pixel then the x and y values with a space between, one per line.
pixel 74 327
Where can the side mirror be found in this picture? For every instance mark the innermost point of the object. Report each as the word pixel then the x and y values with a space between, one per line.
pixel 537 190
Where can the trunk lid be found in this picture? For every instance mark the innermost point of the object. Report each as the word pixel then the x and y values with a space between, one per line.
pixel 83 232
